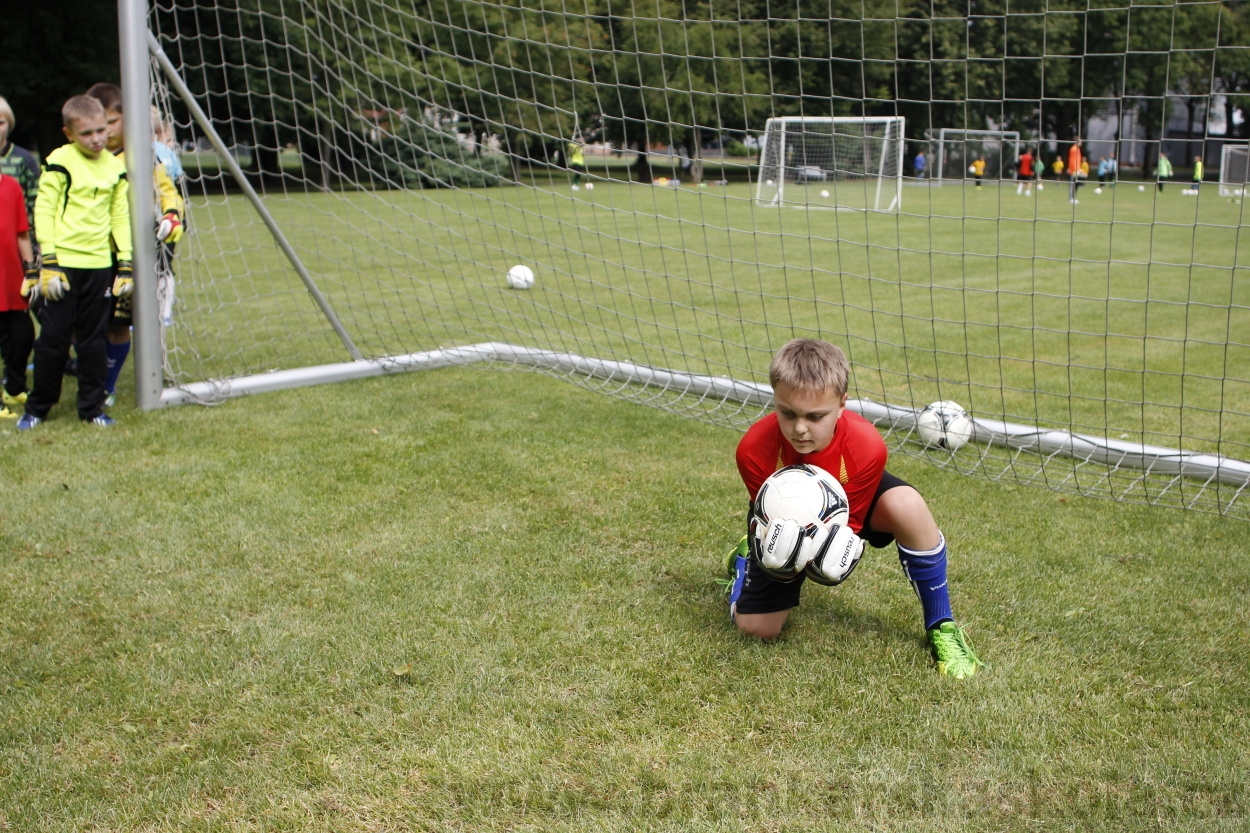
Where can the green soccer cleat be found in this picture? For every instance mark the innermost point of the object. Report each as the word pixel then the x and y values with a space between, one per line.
pixel 955 657
pixel 733 567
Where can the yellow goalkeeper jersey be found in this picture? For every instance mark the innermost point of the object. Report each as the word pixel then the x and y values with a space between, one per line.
pixel 81 211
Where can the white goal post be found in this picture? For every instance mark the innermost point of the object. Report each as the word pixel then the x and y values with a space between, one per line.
pixel 953 151
pixel 834 162
pixel 1234 170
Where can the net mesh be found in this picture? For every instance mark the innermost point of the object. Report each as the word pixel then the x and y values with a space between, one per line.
pixel 413 152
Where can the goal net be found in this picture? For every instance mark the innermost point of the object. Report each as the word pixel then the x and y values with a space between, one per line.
pixel 1234 170
pixel 361 177
pixel 954 151
pixel 814 162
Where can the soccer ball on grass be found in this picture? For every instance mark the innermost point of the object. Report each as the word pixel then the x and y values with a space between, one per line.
pixel 1096 190
pixel 590 186
pixel 1141 187
pixel 944 424
pixel 798 509
pixel 520 277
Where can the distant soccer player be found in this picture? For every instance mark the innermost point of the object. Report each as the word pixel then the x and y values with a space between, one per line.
pixel 810 425
pixel 978 170
pixel 1197 173
pixel 82 218
pixel 1057 167
pixel 1163 171
pixel 1025 174
pixel 576 153
pixel 919 164
pixel 169 203
pixel 1074 170
pixel 1113 169
pixel 17 262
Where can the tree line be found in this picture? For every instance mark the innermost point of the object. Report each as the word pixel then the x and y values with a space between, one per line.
pixel 273 73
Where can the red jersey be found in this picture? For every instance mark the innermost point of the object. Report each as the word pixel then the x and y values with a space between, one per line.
pixel 12 223
pixel 856 457
pixel 1074 159
pixel 1026 165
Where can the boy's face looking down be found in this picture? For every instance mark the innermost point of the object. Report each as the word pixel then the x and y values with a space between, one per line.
pixel 4 132
pixel 90 134
pixel 116 138
pixel 808 418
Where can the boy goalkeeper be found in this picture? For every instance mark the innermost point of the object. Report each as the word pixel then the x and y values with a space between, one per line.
pixel 82 217
pixel 810 425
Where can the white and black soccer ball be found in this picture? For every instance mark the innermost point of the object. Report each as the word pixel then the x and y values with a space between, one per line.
pixel 806 494
pixel 944 424
pixel 1141 187
pixel 520 277
pixel 1041 187
pixel 824 195
pixel 590 186
pixel 972 169
pixel 1097 190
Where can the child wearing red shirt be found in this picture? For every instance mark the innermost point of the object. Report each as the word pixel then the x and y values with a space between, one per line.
pixel 17 333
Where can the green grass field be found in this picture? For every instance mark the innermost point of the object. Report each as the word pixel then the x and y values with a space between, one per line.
pixel 476 600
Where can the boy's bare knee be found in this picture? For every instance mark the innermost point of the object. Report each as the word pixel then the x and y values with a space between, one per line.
pixel 761 625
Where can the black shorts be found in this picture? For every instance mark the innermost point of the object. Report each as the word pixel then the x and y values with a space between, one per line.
pixel 761 594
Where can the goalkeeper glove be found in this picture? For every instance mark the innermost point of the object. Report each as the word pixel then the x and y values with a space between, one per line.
pixel 836 552
pixel 124 283
pixel 30 284
pixel 170 229
pixel 780 548
pixel 53 282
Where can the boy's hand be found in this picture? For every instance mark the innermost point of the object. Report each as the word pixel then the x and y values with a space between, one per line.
pixel 30 284
pixel 836 551
pixel 53 282
pixel 781 548
pixel 124 283
pixel 170 229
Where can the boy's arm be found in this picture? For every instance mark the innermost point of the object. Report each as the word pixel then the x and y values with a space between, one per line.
pixel 24 248
pixel 756 458
pixel 51 195
pixel 171 199
pixel 120 219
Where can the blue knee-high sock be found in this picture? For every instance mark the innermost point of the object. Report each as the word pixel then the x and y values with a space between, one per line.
pixel 117 354
pixel 927 573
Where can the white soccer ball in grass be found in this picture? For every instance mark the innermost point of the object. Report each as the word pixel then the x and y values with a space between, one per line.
pixel 590 186
pixel 1041 187
pixel 1096 190
pixel 769 182
pixel 520 277
pixel 824 195
pixel 1141 187
pixel 815 501
pixel 944 424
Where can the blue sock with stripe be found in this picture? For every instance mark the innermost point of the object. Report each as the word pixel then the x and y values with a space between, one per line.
pixel 117 354
pixel 926 570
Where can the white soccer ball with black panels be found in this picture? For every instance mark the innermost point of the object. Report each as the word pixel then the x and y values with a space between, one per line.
pixel 807 495
pixel 520 277
pixel 944 424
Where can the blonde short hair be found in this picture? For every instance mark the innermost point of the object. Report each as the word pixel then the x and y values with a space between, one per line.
pixel 6 113
pixel 80 107
pixel 808 364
